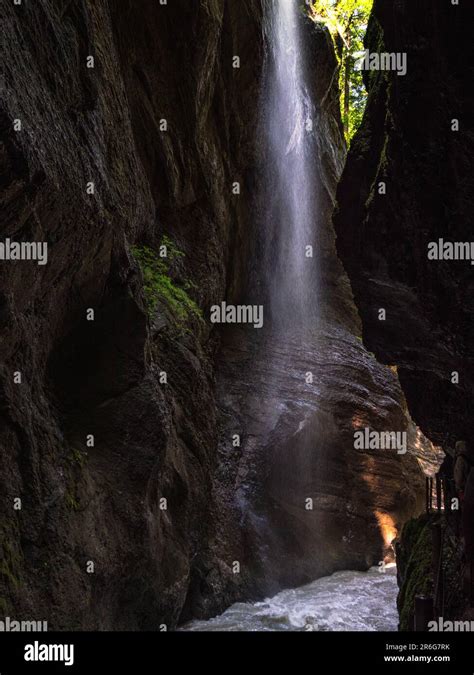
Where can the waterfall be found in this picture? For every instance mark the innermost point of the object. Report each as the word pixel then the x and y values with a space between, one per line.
pixel 286 136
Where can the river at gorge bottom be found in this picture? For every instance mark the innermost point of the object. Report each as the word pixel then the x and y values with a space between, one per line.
pixel 344 601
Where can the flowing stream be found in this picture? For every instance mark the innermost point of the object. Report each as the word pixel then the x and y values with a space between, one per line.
pixel 345 601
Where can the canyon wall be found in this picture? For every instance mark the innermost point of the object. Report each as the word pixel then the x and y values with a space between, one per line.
pixel 135 505
pixel 101 378
pixel 417 137
pixel 407 141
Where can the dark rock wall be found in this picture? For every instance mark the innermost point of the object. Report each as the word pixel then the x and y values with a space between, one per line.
pixel 152 62
pixel 406 141
pixel 103 504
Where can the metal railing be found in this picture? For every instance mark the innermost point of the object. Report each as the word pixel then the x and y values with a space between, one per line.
pixel 446 562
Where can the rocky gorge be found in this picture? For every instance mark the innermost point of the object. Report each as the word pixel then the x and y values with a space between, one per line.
pixel 168 466
pixel 417 138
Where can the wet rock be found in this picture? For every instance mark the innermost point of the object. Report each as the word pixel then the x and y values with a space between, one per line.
pixel 159 500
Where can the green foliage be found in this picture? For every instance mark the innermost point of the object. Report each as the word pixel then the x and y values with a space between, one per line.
pixel 158 285
pixel 357 103
pixel 172 252
pixel 347 22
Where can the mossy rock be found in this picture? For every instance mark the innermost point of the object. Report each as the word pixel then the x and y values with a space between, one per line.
pixel 78 457
pixel 71 501
pixel 160 289
pixel 414 555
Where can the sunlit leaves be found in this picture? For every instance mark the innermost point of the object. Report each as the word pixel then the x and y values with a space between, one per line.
pixel 347 22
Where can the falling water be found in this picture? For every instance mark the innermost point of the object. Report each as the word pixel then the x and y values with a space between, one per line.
pixel 286 133
pixel 346 600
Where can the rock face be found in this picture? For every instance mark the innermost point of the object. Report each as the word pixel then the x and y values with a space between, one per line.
pixel 406 141
pixel 135 505
pixel 101 378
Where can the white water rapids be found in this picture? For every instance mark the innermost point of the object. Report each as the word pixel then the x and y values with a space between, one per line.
pixel 345 601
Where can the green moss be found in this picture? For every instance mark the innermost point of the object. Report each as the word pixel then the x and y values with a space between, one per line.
pixel 414 559
pixel 454 599
pixel 71 501
pixel 172 251
pixel 158 285
pixel 78 457
pixel 418 579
